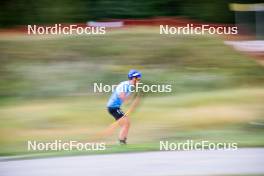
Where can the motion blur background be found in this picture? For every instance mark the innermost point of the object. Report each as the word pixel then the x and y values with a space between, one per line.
pixel 46 82
pixel 19 12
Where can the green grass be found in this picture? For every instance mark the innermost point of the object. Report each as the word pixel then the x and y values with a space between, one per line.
pixel 71 64
pixel 173 118
pixel 46 90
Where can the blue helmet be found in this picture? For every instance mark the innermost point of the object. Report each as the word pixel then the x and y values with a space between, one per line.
pixel 134 73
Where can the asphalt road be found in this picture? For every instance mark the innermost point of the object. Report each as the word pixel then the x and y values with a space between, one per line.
pixel 242 161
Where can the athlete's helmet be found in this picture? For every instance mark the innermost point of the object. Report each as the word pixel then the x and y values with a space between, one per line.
pixel 133 73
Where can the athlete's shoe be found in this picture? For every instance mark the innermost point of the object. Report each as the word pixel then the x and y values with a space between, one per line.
pixel 123 141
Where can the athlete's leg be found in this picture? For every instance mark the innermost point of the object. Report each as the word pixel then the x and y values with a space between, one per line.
pixel 124 122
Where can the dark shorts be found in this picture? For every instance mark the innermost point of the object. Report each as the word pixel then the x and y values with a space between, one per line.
pixel 116 112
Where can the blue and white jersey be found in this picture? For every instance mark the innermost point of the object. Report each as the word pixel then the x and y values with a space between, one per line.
pixel 115 101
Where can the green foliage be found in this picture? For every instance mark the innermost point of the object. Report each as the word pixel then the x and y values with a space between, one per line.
pixel 21 12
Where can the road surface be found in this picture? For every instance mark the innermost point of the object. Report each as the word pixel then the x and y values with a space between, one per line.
pixel 242 161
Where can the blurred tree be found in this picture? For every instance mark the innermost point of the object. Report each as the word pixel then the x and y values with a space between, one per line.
pixel 18 12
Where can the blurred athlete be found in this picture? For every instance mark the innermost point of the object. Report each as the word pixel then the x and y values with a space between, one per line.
pixel 122 94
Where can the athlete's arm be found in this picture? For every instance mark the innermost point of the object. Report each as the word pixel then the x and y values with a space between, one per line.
pixel 134 104
pixel 123 97
pixel 124 94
